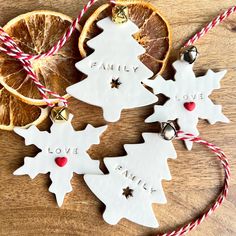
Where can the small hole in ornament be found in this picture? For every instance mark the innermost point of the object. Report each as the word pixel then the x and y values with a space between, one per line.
pixel 127 192
pixel 115 83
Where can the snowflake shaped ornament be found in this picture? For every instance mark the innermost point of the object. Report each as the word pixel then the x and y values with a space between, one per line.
pixel 114 71
pixel 134 181
pixel 188 98
pixel 63 152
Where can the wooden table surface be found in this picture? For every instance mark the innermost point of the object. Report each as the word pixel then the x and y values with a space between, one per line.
pixel 27 208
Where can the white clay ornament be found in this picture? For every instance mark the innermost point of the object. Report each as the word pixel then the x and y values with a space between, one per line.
pixel 188 98
pixel 115 73
pixel 134 181
pixel 115 82
pixel 63 152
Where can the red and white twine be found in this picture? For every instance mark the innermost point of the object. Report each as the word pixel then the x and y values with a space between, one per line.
pixel 223 159
pixel 210 26
pixel 14 51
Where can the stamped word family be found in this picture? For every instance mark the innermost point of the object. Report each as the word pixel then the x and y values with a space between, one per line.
pixel 137 180
pixel 113 67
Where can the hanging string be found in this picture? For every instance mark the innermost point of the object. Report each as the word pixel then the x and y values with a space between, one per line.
pixel 30 73
pixel 223 159
pixel 18 54
pixel 219 19
pixel 14 51
pixel 216 150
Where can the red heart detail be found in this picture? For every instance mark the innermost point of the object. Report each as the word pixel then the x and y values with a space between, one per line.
pixel 61 161
pixel 190 106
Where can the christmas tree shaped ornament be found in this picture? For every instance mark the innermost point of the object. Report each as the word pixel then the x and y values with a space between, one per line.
pixel 63 152
pixel 128 190
pixel 134 181
pixel 119 63
pixel 154 33
pixel 115 73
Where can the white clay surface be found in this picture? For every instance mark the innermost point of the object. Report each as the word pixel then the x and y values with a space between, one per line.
pixel 142 171
pixel 62 142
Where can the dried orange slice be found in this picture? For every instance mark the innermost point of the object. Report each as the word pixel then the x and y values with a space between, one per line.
pixel 16 113
pixel 154 34
pixel 36 32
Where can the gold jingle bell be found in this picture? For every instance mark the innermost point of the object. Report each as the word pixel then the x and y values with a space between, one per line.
pixel 59 114
pixel 120 14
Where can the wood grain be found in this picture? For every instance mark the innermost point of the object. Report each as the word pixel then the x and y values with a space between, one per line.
pixel 27 208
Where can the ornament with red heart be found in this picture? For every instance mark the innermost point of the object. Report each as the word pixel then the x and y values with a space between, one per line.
pixel 59 155
pixel 61 161
pixel 188 98
pixel 190 106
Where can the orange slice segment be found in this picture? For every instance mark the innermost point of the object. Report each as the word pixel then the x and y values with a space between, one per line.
pixel 16 113
pixel 154 34
pixel 35 33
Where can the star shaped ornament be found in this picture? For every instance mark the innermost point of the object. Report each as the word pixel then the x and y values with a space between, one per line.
pixel 188 98
pixel 63 152
pixel 134 181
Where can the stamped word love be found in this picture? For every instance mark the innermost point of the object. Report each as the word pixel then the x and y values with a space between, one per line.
pixel 189 97
pixel 65 150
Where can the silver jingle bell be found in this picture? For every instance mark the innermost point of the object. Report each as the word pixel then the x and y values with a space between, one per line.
pixel 189 54
pixel 168 131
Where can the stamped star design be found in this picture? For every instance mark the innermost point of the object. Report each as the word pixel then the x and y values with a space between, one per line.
pixel 115 83
pixel 134 183
pixel 115 65
pixel 127 192
pixel 188 98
